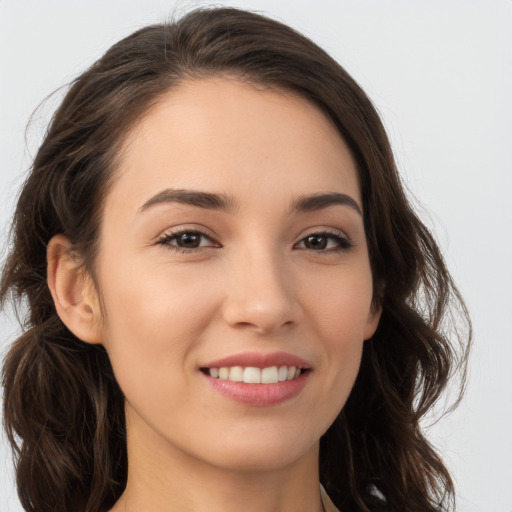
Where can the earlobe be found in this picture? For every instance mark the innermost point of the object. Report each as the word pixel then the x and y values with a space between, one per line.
pixel 372 321
pixel 73 291
pixel 375 310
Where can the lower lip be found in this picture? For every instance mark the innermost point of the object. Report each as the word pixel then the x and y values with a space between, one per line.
pixel 259 395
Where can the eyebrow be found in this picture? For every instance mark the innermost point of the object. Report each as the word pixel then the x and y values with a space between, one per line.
pixel 229 204
pixel 205 200
pixel 320 201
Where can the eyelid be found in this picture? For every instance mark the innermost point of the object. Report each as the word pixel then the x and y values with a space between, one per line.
pixel 187 228
pixel 173 234
pixel 344 241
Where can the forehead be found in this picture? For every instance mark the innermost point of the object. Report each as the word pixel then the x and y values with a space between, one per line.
pixel 217 134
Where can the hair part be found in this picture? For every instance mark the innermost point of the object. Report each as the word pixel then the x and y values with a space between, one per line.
pixel 63 410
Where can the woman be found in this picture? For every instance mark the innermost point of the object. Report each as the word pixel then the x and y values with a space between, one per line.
pixel 230 299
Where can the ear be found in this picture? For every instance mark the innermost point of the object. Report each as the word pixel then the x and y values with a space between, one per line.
pixel 73 291
pixel 372 321
pixel 375 311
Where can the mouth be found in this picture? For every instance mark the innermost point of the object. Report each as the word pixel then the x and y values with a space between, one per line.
pixel 256 379
pixel 255 375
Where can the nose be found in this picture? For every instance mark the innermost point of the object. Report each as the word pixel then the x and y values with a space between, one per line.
pixel 261 293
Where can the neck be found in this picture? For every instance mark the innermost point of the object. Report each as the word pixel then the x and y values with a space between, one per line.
pixel 165 479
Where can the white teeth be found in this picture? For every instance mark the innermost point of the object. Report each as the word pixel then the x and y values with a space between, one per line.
pixel 269 375
pixel 252 375
pixel 236 374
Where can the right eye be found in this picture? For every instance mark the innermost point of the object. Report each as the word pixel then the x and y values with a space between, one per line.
pixel 186 241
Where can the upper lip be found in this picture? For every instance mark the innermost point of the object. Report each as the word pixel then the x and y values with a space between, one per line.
pixel 259 360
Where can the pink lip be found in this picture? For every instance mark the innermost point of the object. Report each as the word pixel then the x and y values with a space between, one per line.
pixel 258 360
pixel 259 395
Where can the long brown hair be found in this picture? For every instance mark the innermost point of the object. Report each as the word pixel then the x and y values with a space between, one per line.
pixel 63 410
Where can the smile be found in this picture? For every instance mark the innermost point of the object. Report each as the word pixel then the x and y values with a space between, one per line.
pixel 259 380
pixel 253 375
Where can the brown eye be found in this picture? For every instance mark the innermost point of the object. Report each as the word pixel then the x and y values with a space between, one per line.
pixel 325 242
pixel 186 241
pixel 315 242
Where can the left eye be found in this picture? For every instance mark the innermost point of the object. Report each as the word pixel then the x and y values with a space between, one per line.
pixel 324 241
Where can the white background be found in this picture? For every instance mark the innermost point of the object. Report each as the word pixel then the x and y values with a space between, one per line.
pixel 440 73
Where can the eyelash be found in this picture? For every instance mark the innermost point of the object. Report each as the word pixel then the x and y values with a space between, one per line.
pixel 344 244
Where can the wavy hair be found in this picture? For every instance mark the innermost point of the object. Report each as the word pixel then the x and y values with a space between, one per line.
pixel 63 410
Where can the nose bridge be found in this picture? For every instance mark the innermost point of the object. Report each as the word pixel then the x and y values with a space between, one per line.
pixel 260 292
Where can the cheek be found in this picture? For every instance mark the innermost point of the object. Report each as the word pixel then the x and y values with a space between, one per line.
pixel 152 324
pixel 153 300
pixel 341 304
pixel 339 313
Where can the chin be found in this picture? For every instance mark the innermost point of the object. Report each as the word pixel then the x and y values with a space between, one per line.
pixel 263 452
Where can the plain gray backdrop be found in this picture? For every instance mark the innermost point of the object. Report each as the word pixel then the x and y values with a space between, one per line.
pixel 439 72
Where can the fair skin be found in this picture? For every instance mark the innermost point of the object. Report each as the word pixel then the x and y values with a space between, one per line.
pixel 263 276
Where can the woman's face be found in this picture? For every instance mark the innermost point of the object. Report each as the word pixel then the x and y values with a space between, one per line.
pixel 233 238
